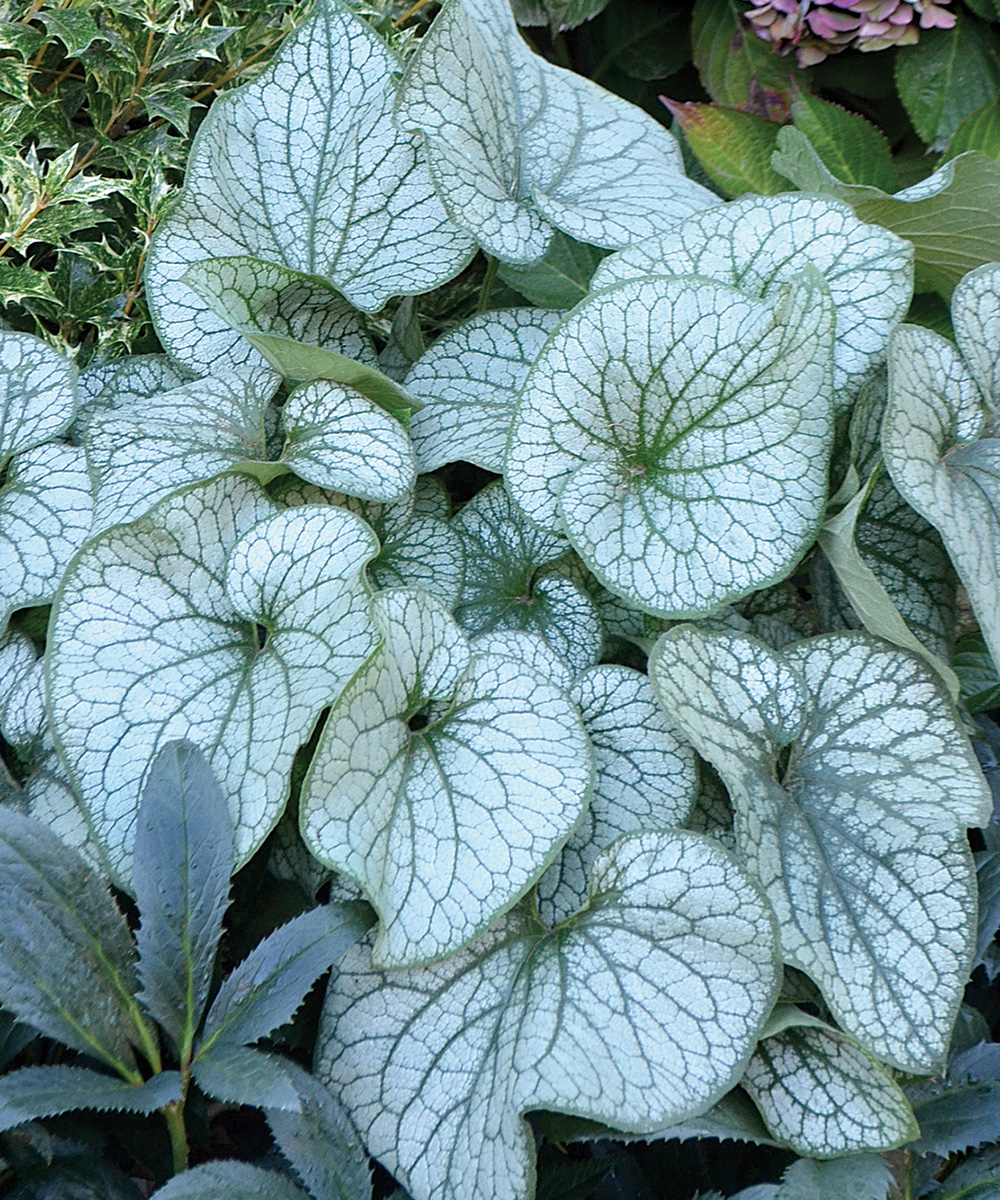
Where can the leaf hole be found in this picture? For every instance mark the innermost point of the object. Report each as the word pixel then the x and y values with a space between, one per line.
pixel 420 720
pixel 263 633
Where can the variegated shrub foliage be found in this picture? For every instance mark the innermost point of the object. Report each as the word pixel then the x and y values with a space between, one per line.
pixel 724 451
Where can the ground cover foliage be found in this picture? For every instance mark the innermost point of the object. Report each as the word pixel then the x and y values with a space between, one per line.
pixel 498 574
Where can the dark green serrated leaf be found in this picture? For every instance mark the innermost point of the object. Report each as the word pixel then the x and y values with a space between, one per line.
pixel 67 964
pixel 229 1181
pixel 562 1178
pixel 858 1176
pixel 84 1177
pixel 988 875
pixel 854 150
pixel 320 1143
pixel 183 860
pixel 978 1178
pixel 13 1038
pixel 977 674
pixel 267 988
pixel 557 14
pixel 239 1075
pixel 946 75
pixel 560 279
pixel 733 147
pixel 979 131
pixel 35 1092
pixel 736 67
pixel 645 39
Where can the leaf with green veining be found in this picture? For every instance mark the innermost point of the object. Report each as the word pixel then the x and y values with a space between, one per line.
pixel 646 779
pixel 216 619
pixel 444 783
pixel 38 393
pixel 468 382
pixel 853 784
pixel 518 146
pixel 300 324
pixel 303 168
pixel 679 432
pixel 824 1095
pixel 639 1011
pixel 507 585
pixel 760 244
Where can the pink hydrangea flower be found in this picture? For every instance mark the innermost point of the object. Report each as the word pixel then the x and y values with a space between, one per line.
pixel 815 28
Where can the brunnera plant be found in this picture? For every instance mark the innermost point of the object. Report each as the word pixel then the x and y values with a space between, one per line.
pixel 652 759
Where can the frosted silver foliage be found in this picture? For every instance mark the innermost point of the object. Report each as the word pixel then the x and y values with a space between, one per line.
pixel 859 838
pixel 758 244
pixel 214 618
pixel 418 546
pixel 444 782
pixel 639 1012
pixel 507 585
pixel 825 1096
pixel 303 168
pixel 679 432
pixel 469 380
pixel 517 146
pixel 646 779
pixel 333 437
pixel 939 437
pixel 44 792
pixel 45 515
pixel 38 393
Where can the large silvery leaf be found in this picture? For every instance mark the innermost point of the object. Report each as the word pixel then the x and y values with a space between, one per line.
pixel 332 435
pixel 469 380
pixel 444 782
pixel 758 244
pixel 517 146
pixel 680 432
pixel 640 1011
pixel 507 585
pixel 940 448
pixel 859 837
pixel 45 515
pixel 214 619
pixel 299 323
pixel 303 168
pixel 646 779
pixel 824 1095
pixel 38 393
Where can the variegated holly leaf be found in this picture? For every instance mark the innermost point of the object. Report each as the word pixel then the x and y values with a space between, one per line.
pixel 419 548
pixel 326 433
pixel 303 168
pixel 853 784
pixel 468 382
pixel 444 783
pixel 507 585
pixel 646 779
pixel 517 146
pixel 680 433
pixel 215 619
pixel 46 509
pixel 939 439
pixel 638 1012
pixel 759 244
pixel 38 393
pixel 300 324
pixel 825 1096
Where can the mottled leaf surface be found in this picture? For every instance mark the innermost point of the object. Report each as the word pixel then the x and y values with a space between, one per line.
pixel 507 586
pixel 468 382
pixel 825 1096
pixel 646 779
pixel 680 432
pixel 641 1010
pixel 213 619
pixel 38 393
pixel 759 244
pixel 517 146
pixel 859 840
pixel 303 168
pixel 444 782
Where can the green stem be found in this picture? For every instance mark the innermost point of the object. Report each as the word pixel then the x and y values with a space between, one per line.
pixel 173 1114
pixel 488 281
pixel 561 52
